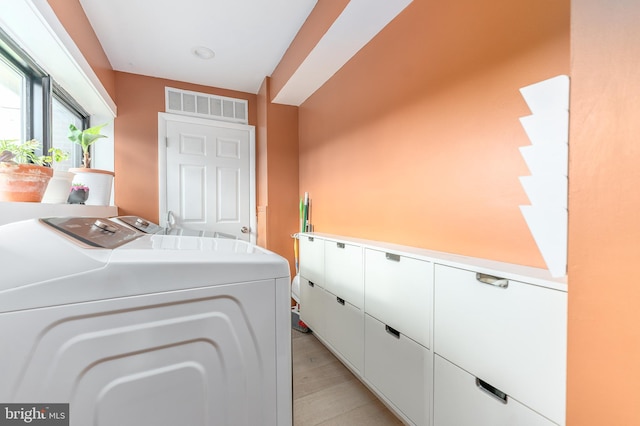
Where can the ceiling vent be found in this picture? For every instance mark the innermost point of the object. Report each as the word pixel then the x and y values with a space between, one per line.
pixel 203 105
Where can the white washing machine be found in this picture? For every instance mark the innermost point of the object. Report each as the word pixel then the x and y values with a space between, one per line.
pixel 143 329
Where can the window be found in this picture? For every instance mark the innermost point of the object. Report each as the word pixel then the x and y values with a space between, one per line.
pixel 63 113
pixel 32 106
pixel 12 84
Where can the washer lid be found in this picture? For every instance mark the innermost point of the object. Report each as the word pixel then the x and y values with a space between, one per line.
pixel 92 231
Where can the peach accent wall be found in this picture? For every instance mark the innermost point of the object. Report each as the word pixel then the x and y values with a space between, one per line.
pixel 415 140
pixel 139 99
pixel 75 22
pixel 262 188
pixel 604 206
pixel 277 171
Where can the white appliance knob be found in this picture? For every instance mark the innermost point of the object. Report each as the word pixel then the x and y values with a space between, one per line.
pixel 104 226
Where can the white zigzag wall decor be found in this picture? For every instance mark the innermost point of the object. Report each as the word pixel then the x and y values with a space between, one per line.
pixel 547 158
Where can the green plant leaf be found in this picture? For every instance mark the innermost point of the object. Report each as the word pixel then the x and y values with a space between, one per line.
pixel 57 155
pixel 24 152
pixel 86 137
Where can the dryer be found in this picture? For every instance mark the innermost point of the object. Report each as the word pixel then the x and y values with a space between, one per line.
pixel 143 329
pixel 140 224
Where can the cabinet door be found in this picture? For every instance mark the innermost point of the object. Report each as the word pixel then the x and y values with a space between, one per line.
pixel 398 292
pixel 460 400
pixel 514 336
pixel 312 259
pixel 399 368
pixel 345 330
pixel 313 306
pixel 344 272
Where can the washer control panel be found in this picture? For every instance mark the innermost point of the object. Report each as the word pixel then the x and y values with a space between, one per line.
pixel 92 231
pixel 141 224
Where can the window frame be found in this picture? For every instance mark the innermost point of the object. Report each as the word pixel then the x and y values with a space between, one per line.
pixel 39 92
pixel 72 106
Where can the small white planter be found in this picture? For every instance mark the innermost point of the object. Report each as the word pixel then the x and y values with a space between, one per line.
pixel 99 182
pixel 58 189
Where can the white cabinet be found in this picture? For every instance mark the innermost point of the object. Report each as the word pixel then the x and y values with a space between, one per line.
pixel 345 330
pixel 344 271
pixel 399 368
pixel 461 399
pixel 332 296
pixel 440 343
pixel 506 332
pixel 398 310
pixel 313 307
pixel 399 292
pixel 312 259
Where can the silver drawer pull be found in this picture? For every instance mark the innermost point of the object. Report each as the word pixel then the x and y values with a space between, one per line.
pixel 491 280
pixel 310 239
pixel 311 284
pixel 492 391
pixel 393 257
pixel 392 331
pixel 340 300
pixel 340 245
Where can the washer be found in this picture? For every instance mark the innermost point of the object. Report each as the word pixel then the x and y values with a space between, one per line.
pixel 143 329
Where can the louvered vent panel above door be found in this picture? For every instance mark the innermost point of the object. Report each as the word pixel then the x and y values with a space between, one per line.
pixel 203 105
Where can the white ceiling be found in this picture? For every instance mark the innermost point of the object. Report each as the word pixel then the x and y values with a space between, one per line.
pixel 156 38
pixel 249 37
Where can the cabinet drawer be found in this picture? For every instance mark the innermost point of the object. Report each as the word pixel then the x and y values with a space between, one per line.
pixel 312 259
pixel 344 272
pixel 345 330
pixel 313 306
pixel 512 337
pixel 460 400
pixel 398 368
pixel 398 292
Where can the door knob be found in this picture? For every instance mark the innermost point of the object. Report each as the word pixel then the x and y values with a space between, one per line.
pixel 171 220
pixel 244 230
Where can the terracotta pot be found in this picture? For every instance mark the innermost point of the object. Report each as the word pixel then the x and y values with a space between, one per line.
pixel 23 182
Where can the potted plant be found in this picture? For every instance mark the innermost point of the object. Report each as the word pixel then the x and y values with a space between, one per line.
pixel 86 138
pixel 99 181
pixel 60 184
pixel 78 194
pixel 23 176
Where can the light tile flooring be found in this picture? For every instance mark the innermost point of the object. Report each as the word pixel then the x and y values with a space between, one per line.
pixel 326 393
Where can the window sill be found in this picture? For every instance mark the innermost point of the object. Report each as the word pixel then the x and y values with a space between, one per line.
pixel 13 212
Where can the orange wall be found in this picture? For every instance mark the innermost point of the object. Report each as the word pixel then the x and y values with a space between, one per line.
pixel 415 140
pixel 277 175
pixel 72 17
pixel 139 99
pixel 262 189
pixel 604 234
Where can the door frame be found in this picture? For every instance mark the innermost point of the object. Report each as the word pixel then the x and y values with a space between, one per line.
pixel 163 118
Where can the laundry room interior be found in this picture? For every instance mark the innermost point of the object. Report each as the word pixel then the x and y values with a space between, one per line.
pixel 407 125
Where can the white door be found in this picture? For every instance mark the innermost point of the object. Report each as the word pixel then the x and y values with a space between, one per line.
pixel 207 175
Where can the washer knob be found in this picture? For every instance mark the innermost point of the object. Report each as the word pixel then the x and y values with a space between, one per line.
pixel 140 221
pixel 105 226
